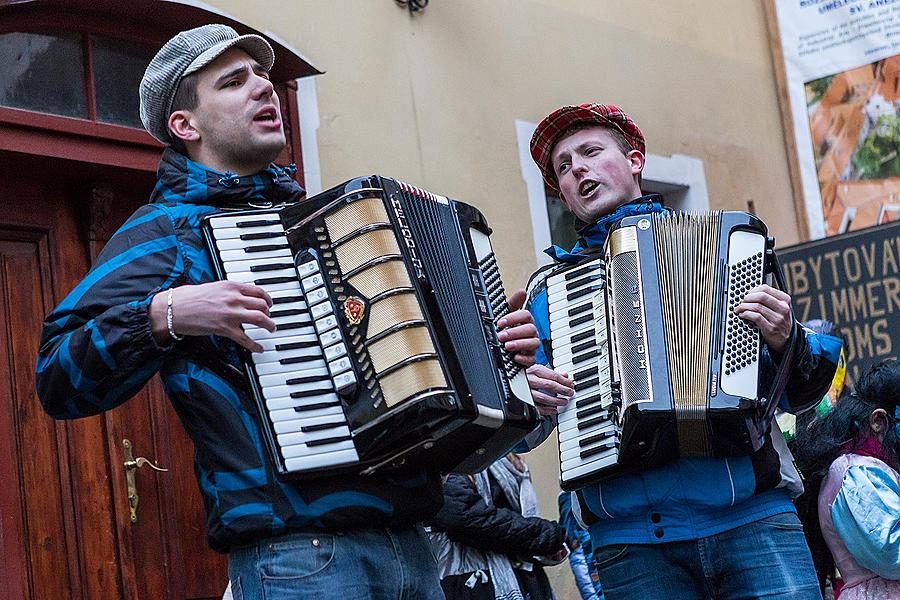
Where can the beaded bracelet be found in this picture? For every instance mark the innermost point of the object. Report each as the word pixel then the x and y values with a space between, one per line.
pixel 172 333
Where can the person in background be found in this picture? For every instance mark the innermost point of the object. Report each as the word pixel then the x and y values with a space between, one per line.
pixel 851 459
pixel 581 555
pixel 488 538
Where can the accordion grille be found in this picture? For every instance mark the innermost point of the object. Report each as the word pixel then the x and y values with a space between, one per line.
pixel 411 379
pixel 390 310
pixel 686 248
pixel 400 345
pixel 380 277
pixel 356 251
pixel 355 215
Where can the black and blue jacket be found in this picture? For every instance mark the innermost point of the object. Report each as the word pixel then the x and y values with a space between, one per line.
pixel 97 351
pixel 692 498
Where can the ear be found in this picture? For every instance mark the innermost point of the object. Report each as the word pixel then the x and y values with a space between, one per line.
pixel 637 159
pixel 878 421
pixel 182 126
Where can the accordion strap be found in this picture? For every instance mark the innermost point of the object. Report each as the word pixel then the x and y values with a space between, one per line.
pixel 787 357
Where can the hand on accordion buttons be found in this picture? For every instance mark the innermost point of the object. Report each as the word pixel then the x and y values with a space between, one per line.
pixel 550 389
pixel 517 332
pixel 218 308
pixel 770 310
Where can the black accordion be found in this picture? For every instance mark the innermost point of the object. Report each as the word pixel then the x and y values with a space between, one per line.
pixel 386 299
pixel 663 367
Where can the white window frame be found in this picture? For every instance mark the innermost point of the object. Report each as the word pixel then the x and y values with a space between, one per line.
pixel 680 177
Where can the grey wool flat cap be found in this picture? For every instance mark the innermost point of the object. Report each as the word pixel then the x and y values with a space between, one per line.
pixel 186 53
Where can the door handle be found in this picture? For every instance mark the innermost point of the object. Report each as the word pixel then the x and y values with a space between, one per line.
pixel 131 465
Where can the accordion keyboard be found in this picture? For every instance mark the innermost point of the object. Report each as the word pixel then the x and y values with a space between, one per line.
pixel 588 436
pixel 304 363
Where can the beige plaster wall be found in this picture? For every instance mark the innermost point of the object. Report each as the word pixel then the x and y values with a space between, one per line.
pixel 433 99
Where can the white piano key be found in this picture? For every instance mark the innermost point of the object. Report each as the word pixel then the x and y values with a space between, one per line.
pixel 227 221
pixel 288 402
pixel 568 455
pixel 248 262
pixel 286 440
pixel 346 455
pixel 241 254
pixel 239 244
pixel 226 233
pixel 248 277
pixel 571 443
pixel 269 345
pixel 280 379
pixel 274 356
pixel 574 469
pixel 293 425
pixel 570 428
pixel 285 391
pixel 258 333
pixel 301 369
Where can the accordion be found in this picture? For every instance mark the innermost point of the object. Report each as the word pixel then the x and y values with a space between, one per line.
pixel 385 298
pixel 663 367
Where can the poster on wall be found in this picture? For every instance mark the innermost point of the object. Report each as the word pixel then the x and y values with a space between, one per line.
pixel 851 280
pixel 841 84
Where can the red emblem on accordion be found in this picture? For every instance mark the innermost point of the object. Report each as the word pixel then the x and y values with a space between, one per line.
pixel 355 310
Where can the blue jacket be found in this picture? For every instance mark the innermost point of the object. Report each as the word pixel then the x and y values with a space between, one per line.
pixel 691 498
pixel 97 351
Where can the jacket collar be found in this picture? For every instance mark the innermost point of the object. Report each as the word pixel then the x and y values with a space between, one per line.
pixel 593 235
pixel 179 179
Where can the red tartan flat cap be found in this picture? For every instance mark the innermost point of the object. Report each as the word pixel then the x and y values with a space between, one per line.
pixel 548 131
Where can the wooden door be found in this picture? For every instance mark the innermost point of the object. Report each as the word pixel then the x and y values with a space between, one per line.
pixel 65 527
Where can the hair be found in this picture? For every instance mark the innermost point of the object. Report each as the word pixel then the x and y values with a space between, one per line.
pixel 842 431
pixel 621 142
pixel 186 98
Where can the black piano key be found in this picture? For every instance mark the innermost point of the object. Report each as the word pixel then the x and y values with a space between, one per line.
pixel 322 427
pixel 298 325
pixel 583 385
pixel 580 309
pixel 262 235
pixel 310 393
pixel 271 267
pixel 580 375
pixel 583 357
pixel 266 248
pixel 598 450
pixel 582 320
pixel 307 379
pixel 288 312
pixel 597 437
pixel 587 412
pixel 581 403
pixel 296 345
pixel 591 422
pixel 331 440
pixel 316 406
pixel 300 359
pixel 272 280
pixel 587 334
pixel 582 292
pixel 577 284
pixel 287 299
pixel 258 223
pixel 579 272
pixel 585 346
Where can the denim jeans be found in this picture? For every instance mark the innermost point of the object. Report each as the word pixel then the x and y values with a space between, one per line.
pixel 371 564
pixel 768 559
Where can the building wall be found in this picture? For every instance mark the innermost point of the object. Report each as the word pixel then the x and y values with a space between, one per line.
pixel 433 99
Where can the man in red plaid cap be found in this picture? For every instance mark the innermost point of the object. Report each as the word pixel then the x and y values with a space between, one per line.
pixel 695 527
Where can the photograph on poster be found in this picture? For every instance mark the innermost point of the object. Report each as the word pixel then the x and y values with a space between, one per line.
pixel 854 121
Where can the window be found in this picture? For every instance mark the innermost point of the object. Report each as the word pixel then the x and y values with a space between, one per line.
pixel 73 75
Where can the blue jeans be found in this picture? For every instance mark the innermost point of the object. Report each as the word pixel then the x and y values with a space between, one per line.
pixel 371 564
pixel 768 559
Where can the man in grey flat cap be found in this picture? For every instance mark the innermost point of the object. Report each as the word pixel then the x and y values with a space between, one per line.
pixel 150 305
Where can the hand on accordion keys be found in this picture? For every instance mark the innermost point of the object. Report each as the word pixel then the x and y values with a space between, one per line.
pixel 770 310
pixel 550 389
pixel 517 333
